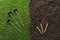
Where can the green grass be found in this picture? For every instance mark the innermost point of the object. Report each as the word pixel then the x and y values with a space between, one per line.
pixel 9 32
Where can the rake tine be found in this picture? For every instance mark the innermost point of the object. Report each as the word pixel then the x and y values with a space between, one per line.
pixel 16 11
pixel 39 30
pixel 9 22
pixel 10 14
pixel 20 20
pixel 15 27
pixel 41 27
pixel 46 27
pixel 16 22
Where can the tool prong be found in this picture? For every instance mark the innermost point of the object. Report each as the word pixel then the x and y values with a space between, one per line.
pixel 39 30
pixel 16 11
pixel 46 27
pixel 15 27
pixel 16 22
pixel 41 27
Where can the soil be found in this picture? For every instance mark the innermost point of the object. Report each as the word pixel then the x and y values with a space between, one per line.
pixel 43 11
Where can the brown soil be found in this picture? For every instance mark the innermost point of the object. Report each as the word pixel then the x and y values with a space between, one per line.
pixel 43 11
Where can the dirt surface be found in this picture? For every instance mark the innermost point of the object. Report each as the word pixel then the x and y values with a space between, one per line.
pixel 43 11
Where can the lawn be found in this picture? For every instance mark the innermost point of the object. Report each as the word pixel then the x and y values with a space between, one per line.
pixel 8 31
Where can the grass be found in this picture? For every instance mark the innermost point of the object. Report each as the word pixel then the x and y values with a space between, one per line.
pixel 7 31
